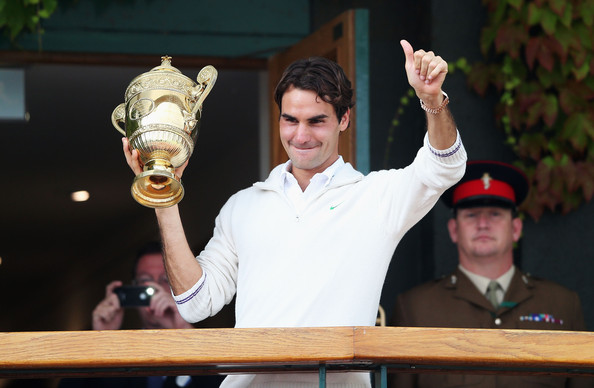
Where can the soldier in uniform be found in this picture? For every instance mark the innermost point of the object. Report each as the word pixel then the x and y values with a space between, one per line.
pixel 487 290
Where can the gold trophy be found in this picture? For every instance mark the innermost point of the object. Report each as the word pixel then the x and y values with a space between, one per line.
pixel 161 113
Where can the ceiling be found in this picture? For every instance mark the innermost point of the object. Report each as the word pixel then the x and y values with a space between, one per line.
pixel 57 255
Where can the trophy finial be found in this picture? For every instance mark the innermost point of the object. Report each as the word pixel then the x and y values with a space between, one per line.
pixel 166 58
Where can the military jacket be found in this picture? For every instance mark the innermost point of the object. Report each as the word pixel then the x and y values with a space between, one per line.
pixel 454 301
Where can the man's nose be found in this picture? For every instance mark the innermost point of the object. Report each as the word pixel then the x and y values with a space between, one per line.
pixel 302 134
pixel 484 220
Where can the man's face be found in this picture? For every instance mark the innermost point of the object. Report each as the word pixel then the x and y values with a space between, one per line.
pixel 484 232
pixel 150 269
pixel 309 130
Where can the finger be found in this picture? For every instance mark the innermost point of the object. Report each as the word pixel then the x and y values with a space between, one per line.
pixel 126 148
pixel 132 157
pixel 425 60
pixel 180 170
pixel 114 301
pixel 158 306
pixel 438 67
pixel 408 52
pixel 112 286
pixel 102 314
pixel 136 163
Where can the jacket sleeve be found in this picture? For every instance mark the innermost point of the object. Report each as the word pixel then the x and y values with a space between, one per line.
pixel 218 283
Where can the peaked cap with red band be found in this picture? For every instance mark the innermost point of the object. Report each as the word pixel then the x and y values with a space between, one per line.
pixel 488 183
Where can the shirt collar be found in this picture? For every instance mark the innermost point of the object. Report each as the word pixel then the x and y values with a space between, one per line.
pixel 482 282
pixel 325 176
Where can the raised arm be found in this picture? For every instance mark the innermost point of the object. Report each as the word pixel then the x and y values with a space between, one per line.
pixel 426 73
pixel 183 270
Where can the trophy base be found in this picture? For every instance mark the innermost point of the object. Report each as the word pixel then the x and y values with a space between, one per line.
pixel 157 189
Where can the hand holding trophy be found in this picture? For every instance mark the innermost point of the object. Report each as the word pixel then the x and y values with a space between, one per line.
pixel 161 113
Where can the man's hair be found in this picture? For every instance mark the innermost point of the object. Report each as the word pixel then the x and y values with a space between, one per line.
pixel 147 249
pixel 322 76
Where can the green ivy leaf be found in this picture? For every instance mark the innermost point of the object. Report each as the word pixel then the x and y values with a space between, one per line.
pixel 534 14
pixel 550 109
pixel 49 7
pixel 487 38
pixel 558 6
pixel 549 21
pixel 583 37
pixel 566 37
pixel 581 72
pixel 575 130
pixel 586 11
pixel 498 16
pixel 17 16
pixel 517 4
pixel 567 15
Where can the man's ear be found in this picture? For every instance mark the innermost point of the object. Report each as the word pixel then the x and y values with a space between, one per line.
pixel 453 229
pixel 345 120
pixel 517 226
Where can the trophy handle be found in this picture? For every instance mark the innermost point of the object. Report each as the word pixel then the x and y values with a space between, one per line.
pixel 117 116
pixel 206 80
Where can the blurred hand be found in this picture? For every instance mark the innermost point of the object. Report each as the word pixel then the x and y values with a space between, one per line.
pixel 162 312
pixel 108 315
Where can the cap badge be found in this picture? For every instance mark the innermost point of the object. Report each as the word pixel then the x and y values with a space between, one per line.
pixel 486 178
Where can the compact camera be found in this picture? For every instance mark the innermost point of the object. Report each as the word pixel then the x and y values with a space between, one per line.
pixel 134 296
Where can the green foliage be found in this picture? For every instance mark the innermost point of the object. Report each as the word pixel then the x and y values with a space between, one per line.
pixel 18 16
pixel 540 60
pixel 403 103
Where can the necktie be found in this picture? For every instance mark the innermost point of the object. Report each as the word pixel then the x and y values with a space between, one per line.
pixel 492 293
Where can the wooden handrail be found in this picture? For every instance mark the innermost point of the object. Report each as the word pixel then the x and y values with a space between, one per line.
pixel 477 350
pixel 199 351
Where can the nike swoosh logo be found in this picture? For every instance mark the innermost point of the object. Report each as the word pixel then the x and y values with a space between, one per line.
pixel 335 206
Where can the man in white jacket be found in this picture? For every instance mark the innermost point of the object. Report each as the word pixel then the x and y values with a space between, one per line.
pixel 311 245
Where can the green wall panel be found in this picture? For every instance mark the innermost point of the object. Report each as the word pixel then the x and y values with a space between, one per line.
pixel 255 28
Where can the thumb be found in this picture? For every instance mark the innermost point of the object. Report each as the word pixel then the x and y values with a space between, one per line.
pixel 408 51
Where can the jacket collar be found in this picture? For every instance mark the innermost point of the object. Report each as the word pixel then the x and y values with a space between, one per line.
pixel 344 175
pixel 519 290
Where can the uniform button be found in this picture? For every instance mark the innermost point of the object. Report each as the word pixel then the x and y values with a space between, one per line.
pixel 498 321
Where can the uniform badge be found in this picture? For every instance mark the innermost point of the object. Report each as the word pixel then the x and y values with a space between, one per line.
pixel 486 178
pixel 547 318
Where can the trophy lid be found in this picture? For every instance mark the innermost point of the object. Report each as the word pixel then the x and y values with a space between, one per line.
pixel 163 77
pixel 166 65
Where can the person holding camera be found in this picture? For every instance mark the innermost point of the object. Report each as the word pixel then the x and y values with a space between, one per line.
pixel 157 310
pixel 160 311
